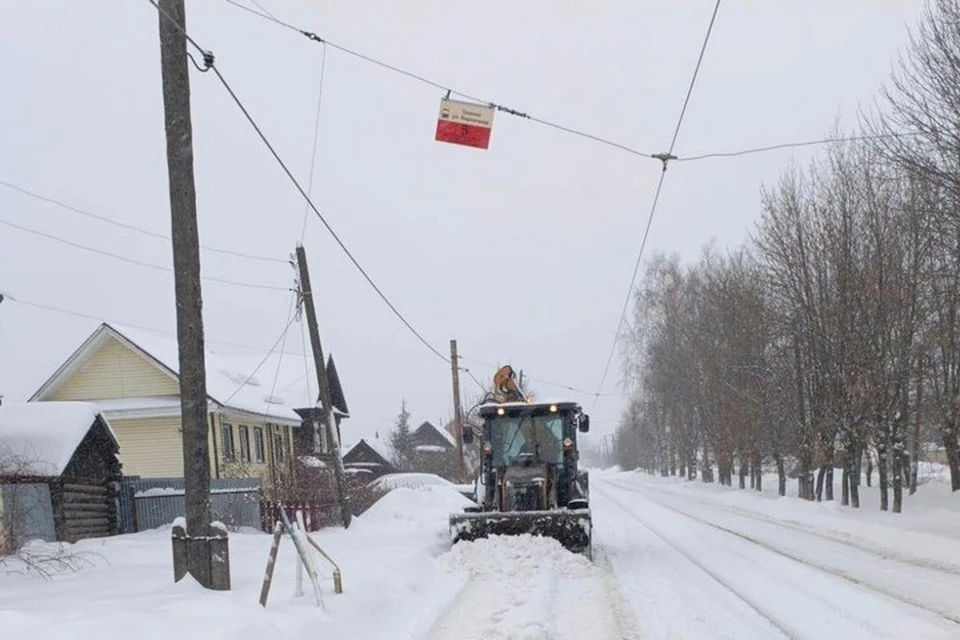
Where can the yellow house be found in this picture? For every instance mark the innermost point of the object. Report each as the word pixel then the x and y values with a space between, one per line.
pixel 132 376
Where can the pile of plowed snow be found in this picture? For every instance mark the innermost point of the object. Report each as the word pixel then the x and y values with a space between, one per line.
pixel 507 556
pixel 410 481
pixel 407 509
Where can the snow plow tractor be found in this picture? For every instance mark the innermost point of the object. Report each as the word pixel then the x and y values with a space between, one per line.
pixel 528 480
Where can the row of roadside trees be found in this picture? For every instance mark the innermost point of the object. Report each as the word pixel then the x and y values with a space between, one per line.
pixel 832 338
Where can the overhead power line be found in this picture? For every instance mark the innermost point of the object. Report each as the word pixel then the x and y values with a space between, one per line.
pixel 282 338
pixel 87 316
pixel 130 227
pixel 140 263
pixel 656 200
pixel 316 138
pixel 473 377
pixel 535 379
pixel 794 145
pixel 323 220
pixel 439 85
pixel 266 15
pixel 210 66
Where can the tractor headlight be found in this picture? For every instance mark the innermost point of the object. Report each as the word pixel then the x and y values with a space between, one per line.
pixel 567 444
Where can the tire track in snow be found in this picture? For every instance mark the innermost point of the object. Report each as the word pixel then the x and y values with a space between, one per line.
pixel 889 593
pixel 530 588
pixel 883 554
pixel 841 609
pixel 756 607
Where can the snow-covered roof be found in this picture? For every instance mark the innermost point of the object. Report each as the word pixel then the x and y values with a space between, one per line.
pixel 153 406
pixel 231 381
pixel 42 437
pixel 355 470
pixel 430 448
pixel 411 480
pixel 448 432
pixel 313 462
pixel 381 446
pixel 241 383
pixel 442 432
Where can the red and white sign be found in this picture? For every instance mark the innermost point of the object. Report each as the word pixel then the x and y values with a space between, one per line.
pixel 465 123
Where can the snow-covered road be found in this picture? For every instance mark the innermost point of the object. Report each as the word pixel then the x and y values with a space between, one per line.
pixel 673 564
pixel 672 559
pixel 788 582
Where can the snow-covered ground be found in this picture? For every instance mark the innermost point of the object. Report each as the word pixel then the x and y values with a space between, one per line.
pixel 672 560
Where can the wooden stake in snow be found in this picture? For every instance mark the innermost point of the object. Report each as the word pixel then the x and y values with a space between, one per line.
pixel 271 562
pixel 304 552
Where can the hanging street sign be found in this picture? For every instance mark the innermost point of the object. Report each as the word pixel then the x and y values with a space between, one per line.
pixel 465 123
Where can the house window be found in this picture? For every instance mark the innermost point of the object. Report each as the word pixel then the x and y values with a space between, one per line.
pixel 323 438
pixel 258 444
pixel 244 444
pixel 278 447
pixel 226 437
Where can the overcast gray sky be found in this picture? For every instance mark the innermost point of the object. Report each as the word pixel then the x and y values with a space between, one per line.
pixel 522 252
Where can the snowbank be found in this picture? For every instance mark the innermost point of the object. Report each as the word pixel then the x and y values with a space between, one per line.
pixel 404 508
pixel 513 556
pixel 409 481
pixel 393 585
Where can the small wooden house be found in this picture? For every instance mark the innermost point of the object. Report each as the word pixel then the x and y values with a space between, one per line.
pixel 368 459
pixel 59 473
pixel 428 438
pixel 434 451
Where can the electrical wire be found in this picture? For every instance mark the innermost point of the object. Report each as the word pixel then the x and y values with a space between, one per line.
pixel 473 377
pixel 178 27
pixel 794 145
pixel 208 58
pixel 535 379
pixel 263 360
pixel 149 265
pixel 86 316
pixel 316 137
pixel 322 219
pixel 262 8
pixel 656 200
pixel 306 364
pixel 693 80
pixel 438 85
pixel 283 343
pixel 130 227
pixel 266 15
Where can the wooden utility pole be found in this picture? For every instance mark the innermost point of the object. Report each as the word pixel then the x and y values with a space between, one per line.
pixel 194 550
pixel 326 415
pixel 457 413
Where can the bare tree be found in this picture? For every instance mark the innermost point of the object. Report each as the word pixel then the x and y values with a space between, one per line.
pixel 923 101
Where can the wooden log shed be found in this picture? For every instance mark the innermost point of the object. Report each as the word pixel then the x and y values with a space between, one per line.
pixel 69 448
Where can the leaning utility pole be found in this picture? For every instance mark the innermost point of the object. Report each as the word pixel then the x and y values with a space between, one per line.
pixel 326 411
pixel 199 549
pixel 457 414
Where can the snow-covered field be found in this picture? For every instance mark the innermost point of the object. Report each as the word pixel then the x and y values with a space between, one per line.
pixel 672 560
